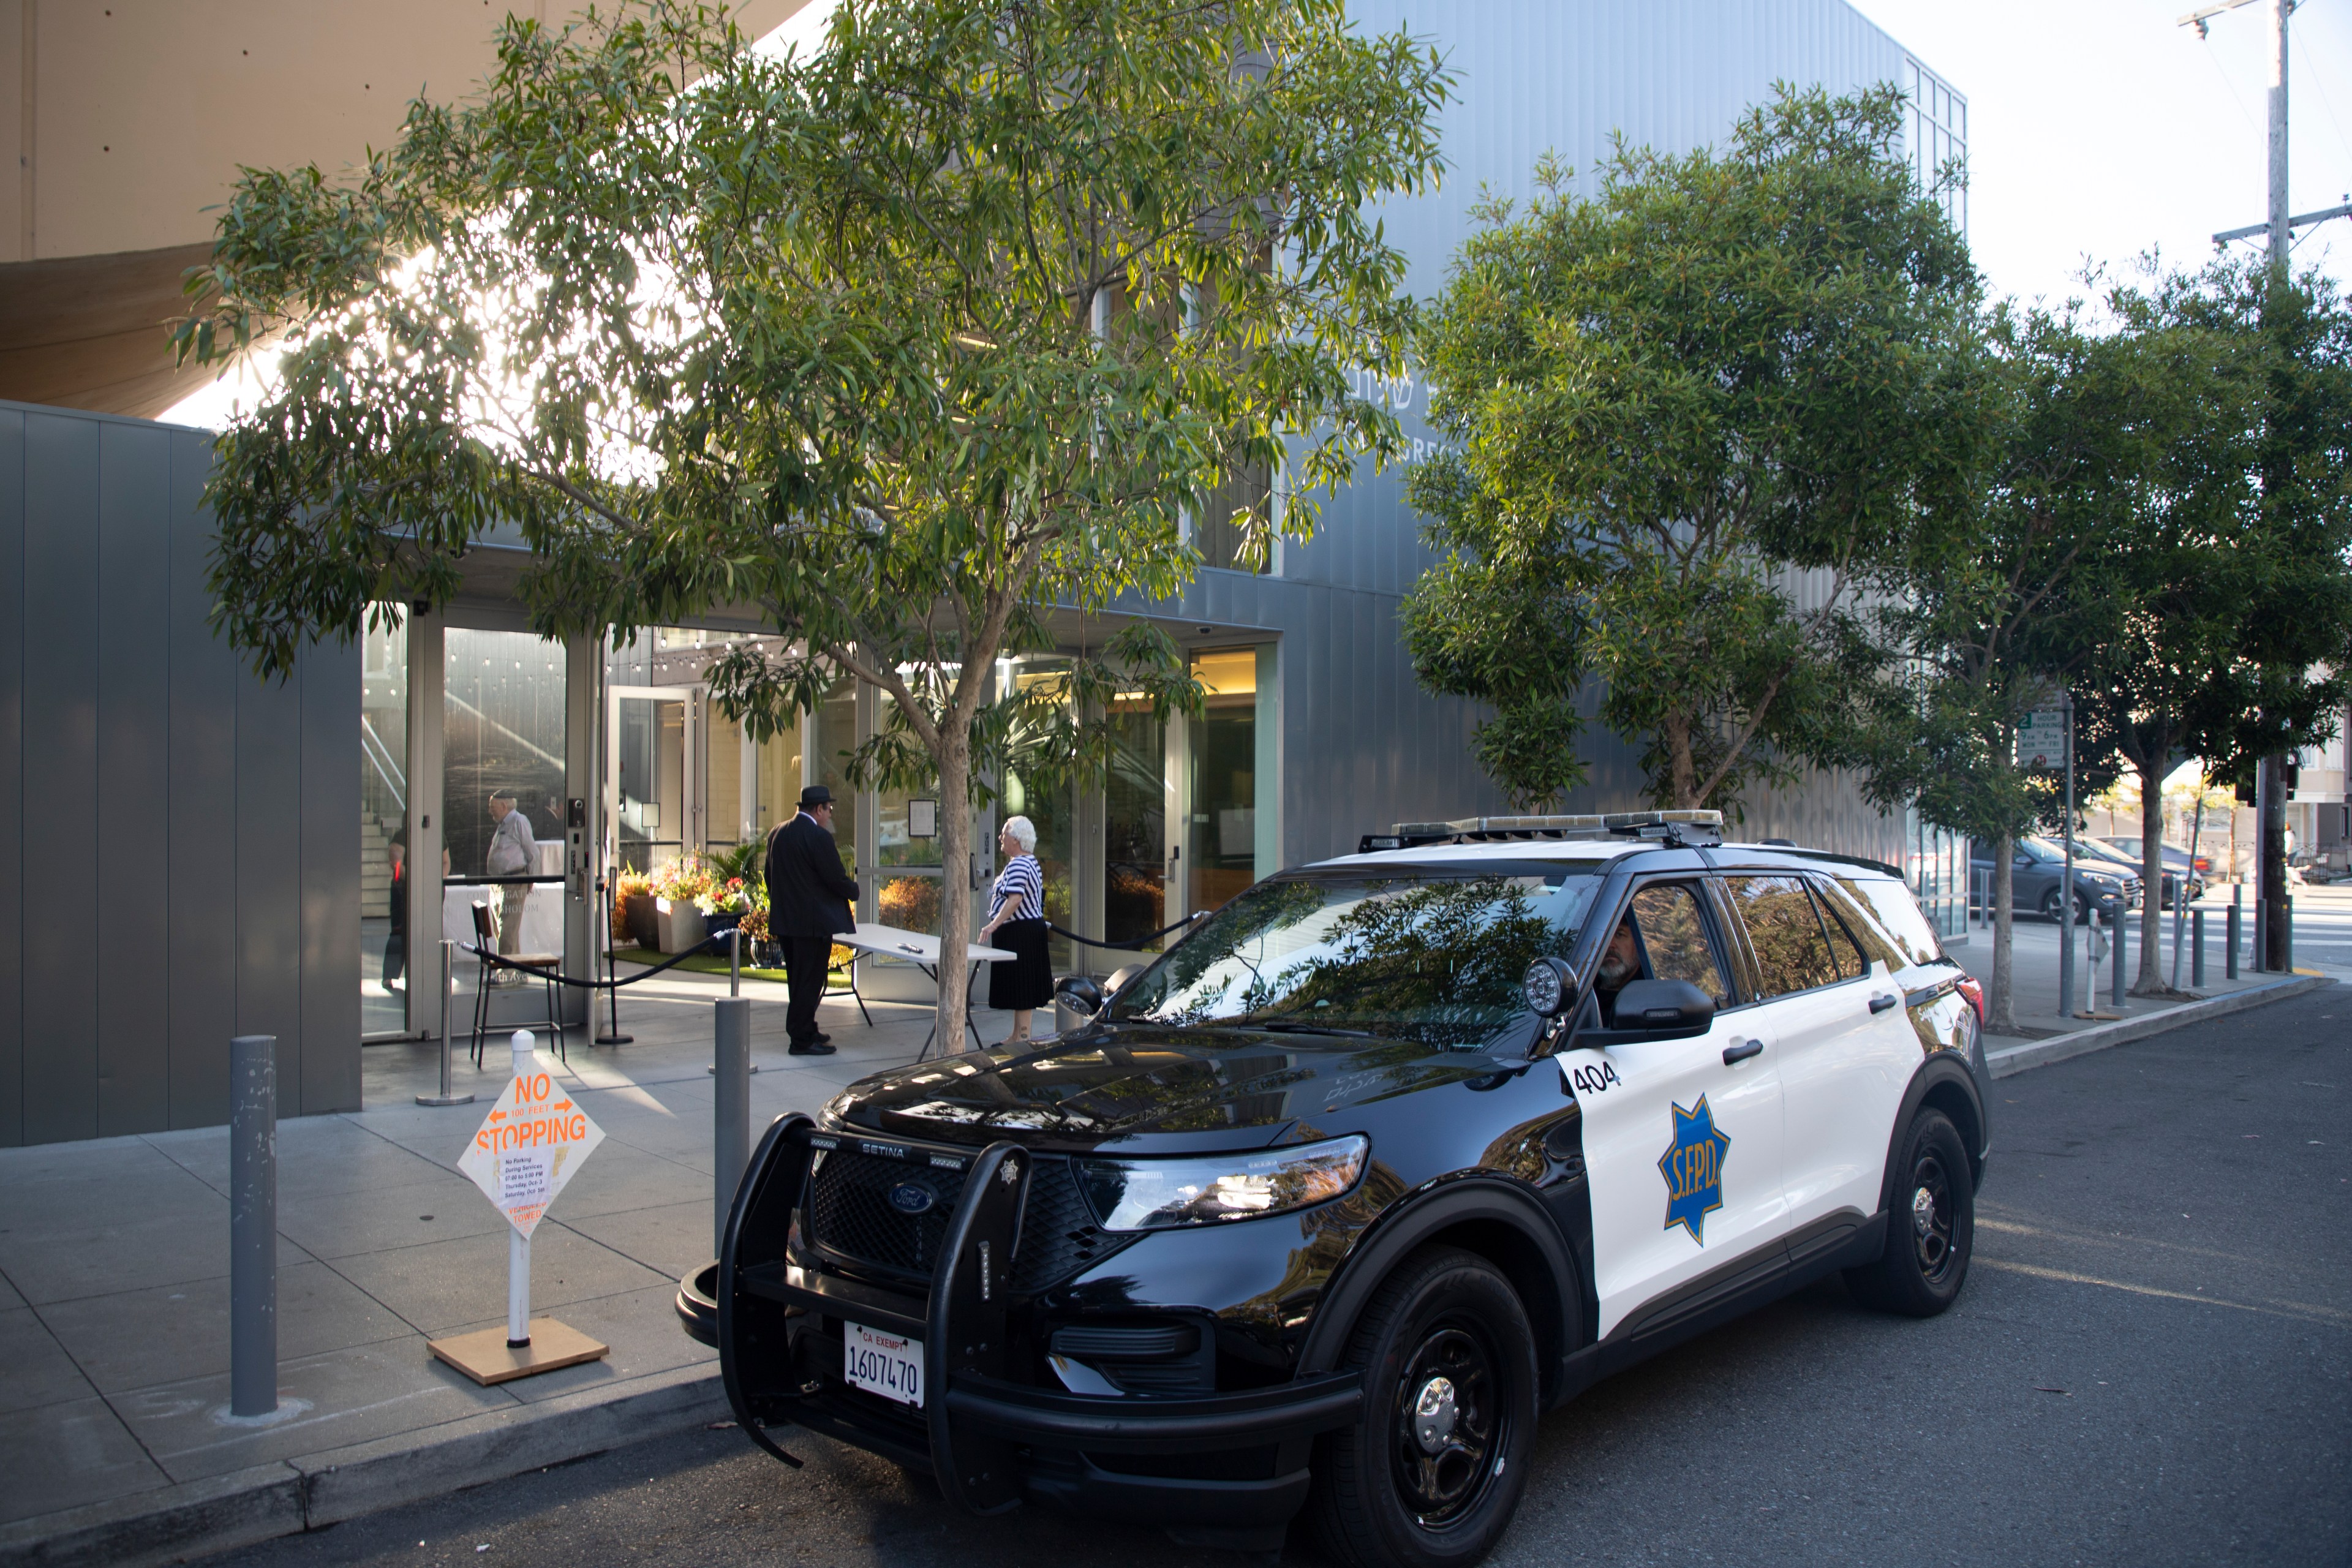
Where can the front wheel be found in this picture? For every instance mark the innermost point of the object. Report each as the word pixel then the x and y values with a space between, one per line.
pixel 1431 1469
pixel 1930 1225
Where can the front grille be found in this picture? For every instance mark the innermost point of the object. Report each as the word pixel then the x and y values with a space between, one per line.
pixel 851 1217
pixel 850 1213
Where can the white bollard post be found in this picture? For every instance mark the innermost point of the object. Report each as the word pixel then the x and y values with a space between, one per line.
pixel 526 1063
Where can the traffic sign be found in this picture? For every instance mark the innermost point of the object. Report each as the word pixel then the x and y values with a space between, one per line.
pixel 528 1146
pixel 2041 739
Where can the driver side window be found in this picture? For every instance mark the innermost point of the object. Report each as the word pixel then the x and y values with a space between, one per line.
pixel 1675 940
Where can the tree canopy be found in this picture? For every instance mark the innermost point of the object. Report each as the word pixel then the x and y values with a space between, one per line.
pixel 1697 414
pixel 896 346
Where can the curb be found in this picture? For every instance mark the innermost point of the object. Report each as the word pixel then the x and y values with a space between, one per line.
pixel 2081 1042
pixel 222 1514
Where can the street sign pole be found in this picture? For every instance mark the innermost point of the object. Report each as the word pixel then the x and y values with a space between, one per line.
pixel 2066 881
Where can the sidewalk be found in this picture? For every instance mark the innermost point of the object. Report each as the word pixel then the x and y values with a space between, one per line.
pixel 114 1289
pixel 114 1264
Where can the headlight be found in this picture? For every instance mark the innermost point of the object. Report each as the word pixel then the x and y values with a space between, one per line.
pixel 1155 1195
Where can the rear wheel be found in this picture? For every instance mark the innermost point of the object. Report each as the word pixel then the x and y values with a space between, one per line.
pixel 1431 1469
pixel 1930 1225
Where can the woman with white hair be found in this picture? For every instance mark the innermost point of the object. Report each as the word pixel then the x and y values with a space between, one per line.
pixel 1016 921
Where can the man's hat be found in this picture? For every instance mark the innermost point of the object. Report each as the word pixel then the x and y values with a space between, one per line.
pixel 816 794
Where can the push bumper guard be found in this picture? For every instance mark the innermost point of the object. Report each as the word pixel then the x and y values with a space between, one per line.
pixel 987 1438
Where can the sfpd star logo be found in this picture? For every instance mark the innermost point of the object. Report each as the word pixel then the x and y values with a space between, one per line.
pixel 1693 1167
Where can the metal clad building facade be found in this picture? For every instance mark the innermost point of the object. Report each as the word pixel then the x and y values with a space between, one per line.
pixel 179 846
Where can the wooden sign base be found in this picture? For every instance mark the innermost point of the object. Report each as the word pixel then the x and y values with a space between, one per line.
pixel 486 1358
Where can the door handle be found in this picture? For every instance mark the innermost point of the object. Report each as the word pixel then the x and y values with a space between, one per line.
pixel 1738 1051
pixel 1881 1004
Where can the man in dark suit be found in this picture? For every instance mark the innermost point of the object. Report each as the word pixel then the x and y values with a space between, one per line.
pixel 809 896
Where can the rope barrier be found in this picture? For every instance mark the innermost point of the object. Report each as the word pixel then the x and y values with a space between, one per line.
pixel 714 940
pixel 1130 946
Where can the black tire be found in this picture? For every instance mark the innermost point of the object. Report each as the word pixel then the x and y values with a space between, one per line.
pixel 1930 1225
pixel 1431 1470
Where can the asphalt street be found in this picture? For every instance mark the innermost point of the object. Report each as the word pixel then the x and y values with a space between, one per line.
pixel 2152 1364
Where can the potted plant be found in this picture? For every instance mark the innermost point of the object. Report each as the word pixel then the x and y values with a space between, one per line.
pixel 633 910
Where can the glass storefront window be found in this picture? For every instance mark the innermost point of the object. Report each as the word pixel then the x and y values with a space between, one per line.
pixel 384 829
pixel 1051 808
pixel 503 750
pixel 1135 824
pixel 835 739
pixel 1221 846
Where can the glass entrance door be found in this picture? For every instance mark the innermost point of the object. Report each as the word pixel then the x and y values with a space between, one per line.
pixel 1136 852
pixel 653 798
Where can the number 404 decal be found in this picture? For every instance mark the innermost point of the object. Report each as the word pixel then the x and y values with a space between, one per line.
pixel 1595 1078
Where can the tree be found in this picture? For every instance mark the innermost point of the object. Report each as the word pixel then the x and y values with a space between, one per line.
pixel 902 344
pixel 2004 604
pixel 1697 416
pixel 2232 633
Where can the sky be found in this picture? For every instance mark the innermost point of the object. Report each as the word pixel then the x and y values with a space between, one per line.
pixel 2098 128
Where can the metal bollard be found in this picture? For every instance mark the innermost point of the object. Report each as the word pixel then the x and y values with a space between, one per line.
pixel 2196 951
pixel 2116 990
pixel 2237 904
pixel 253 1225
pixel 448 987
pixel 731 1108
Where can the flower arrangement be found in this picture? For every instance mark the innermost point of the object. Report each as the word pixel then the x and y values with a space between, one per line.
pixel 728 898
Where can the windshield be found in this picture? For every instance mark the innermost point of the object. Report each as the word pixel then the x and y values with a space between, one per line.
pixel 1434 953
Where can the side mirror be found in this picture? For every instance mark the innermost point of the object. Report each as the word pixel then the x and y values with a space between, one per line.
pixel 1079 994
pixel 1656 1010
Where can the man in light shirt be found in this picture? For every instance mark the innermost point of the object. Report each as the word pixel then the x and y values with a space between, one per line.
pixel 513 853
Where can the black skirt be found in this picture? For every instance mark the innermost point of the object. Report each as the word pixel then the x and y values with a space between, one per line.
pixel 1026 979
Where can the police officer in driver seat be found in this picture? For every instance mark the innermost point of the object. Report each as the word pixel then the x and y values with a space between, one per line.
pixel 1621 964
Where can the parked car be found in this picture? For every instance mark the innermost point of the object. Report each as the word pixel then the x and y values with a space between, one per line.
pixel 2039 868
pixel 2177 863
pixel 1322 1208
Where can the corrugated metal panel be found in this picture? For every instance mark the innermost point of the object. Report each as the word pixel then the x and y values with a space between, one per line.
pixel 134 690
pixel 12 776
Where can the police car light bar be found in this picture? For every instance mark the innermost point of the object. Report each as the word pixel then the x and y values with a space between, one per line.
pixel 1673 828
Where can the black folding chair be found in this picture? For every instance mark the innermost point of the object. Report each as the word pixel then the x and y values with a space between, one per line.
pixel 546 966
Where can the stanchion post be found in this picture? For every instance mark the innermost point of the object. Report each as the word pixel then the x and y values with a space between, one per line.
pixel 2229 957
pixel 2286 919
pixel 612 966
pixel 731 1107
pixel 253 1226
pixel 2197 953
pixel 2115 938
pixel 526 1063
pixel 448 986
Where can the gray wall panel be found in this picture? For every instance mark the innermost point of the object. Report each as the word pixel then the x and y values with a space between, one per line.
pixel 60 774
pixel 133 841
pixel 12 776
pixel 201 894
pixel 270 872
pixel 331 879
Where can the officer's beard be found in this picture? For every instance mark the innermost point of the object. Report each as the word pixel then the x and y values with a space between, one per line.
pixel 1615 971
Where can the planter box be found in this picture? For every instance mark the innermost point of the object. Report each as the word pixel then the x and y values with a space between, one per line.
pixel 638 919
pixel 681 924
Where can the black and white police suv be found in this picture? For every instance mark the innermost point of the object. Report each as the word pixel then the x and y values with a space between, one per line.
pixel 1321 1208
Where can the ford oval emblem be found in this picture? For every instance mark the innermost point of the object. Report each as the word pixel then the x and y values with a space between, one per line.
pixel 912 1198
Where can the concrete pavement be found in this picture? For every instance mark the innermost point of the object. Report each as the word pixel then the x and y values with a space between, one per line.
pixel 114 1289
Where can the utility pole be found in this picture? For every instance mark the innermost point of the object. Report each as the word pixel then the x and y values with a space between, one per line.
pixel 2270 777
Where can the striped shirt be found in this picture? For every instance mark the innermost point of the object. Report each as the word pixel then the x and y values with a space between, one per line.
pixel 1022 885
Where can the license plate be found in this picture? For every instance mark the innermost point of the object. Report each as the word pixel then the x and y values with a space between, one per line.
pixel 888 1364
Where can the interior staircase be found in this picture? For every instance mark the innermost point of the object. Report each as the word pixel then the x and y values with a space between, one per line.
pixel 375 871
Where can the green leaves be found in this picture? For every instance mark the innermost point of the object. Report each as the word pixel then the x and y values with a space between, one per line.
pixel 1699 413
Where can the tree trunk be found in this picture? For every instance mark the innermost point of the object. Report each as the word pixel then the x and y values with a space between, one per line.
pixel 2000 1001
pixel 2151 982
pixel 955 881
pixel 1685 777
